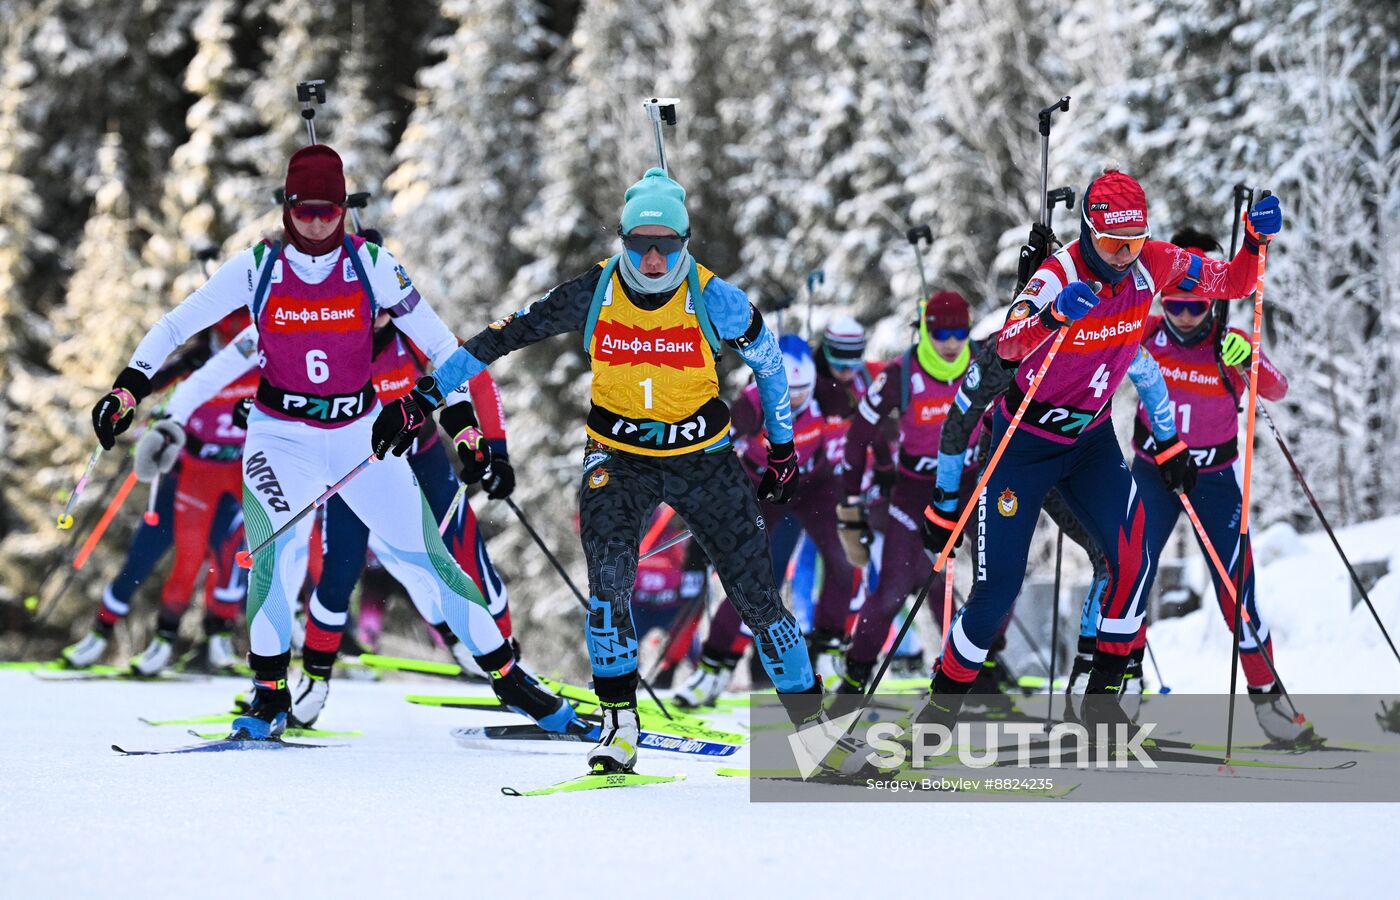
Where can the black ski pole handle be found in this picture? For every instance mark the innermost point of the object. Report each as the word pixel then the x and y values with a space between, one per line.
pixel 918 233
pixel 1060 105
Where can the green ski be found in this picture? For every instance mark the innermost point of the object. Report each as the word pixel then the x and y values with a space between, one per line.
pixel 594 782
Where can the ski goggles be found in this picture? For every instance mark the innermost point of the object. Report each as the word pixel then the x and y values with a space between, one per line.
pixel 1185 306
pixel 949 334
pixel 639 245
pixel 313 210
pixel 1110 244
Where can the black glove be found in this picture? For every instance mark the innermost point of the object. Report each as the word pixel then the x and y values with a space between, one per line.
pixel 459 420
pixel 241 409
pixel 500 476
pixel 399 422
pixel 113 413
pixel 779 482
pixel 884 480
pixel 938 524
pixel 1177 466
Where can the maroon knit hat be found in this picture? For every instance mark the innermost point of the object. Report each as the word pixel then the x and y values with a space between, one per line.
pixel 947 309
pixel 1116 201
pixel 314 173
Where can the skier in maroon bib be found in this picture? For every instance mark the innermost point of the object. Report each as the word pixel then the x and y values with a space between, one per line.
pixel 1100 288
pixel 314 297
pixel 1201 367
pixel 918 389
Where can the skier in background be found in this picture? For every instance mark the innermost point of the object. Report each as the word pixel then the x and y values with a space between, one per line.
pixel 918 390
pixel 814 512
pixel 314 299
pixel 672 588
pixel 195 450
pixel 1202 370
pixel 1066 439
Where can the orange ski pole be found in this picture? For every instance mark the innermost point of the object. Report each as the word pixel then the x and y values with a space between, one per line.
pixel 91 543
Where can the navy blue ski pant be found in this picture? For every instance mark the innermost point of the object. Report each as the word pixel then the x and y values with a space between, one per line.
pixel 1095 483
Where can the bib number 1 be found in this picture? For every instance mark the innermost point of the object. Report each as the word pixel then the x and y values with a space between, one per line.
pixel 646 393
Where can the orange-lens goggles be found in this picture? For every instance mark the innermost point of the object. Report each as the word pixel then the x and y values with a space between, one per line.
pixel 1110 244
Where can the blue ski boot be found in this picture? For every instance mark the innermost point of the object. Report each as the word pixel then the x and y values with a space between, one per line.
pixel 266 717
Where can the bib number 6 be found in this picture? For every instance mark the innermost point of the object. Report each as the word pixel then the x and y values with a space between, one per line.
pixel 316 368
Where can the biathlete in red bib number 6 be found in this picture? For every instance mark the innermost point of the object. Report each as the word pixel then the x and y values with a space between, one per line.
pixel 1100 289
pixel 313 297
pixel 654 321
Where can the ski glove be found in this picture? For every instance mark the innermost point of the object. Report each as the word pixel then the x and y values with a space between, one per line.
pixel 477 461
pixel 241 409
pixel 113 413
pixel 884 480
pixel 1073 304
pixel 1177 467
pixel 1235 350
pixel 398 424
pixel 158 449
pixel 1265 218
pixel 854 531
pixel 779 482
pixel 939 523
pixel 499 480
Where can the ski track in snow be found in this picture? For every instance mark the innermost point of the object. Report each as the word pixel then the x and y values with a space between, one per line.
pixel 404 808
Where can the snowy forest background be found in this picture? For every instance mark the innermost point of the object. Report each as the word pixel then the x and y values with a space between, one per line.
pixel 498 136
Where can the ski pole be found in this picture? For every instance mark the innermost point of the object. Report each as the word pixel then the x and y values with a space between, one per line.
pixel 245 557
pixel 1054 624
pixel 947 598
pixel 65 520
pixel 1253 405
pixel 667 545
pixel 899 638
pixel 1327 526
pixel 539 542
pixel 452 510
pixel 1001 445
pixel 1228 584
pixel 150 516
pixel 101 528
pixel 1162 685
pixel 661 110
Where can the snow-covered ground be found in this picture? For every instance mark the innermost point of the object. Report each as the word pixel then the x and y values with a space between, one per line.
pixel 1321 643
pixel 405 809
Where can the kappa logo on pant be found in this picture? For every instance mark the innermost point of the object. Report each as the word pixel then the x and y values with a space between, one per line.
pixel 258 473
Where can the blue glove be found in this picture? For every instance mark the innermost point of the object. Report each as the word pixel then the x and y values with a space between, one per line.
pixel 1074 302
pixel 1265 217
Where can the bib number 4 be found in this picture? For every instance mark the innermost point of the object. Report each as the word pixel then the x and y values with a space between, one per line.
pixel 1100 381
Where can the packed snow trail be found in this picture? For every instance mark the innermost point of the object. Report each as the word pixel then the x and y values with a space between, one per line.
pixel 405 808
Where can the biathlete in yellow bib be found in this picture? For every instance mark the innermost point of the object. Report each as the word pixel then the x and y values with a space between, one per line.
pixel 653 322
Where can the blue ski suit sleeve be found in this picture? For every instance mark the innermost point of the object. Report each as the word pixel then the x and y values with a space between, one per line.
pixel 741 326
pixel 1152 392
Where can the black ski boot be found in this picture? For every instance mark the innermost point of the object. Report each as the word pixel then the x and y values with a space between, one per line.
pixel 856 676
pixel 945 700
pixel 986 697
pixel 266 717
pixel 517 689
pixel 1102 695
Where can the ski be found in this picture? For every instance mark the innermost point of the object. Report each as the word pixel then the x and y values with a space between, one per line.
pixel 419 666
pixel 290 732
pixel 474 736
pixel 653 721
pixel 216 719
pixel 224 744
pixel 964 785
pixel 1161 754
pixel 77 675
pixel 594 782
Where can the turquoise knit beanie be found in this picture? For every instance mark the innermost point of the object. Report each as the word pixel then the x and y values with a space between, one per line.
pixel 655 200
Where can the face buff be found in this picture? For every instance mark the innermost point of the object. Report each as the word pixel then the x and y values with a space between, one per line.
pixel 662 284
pixel 940 368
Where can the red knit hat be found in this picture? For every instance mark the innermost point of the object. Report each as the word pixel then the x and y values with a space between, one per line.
pixel 947 309
pixel 1115 201
pixel 316 173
